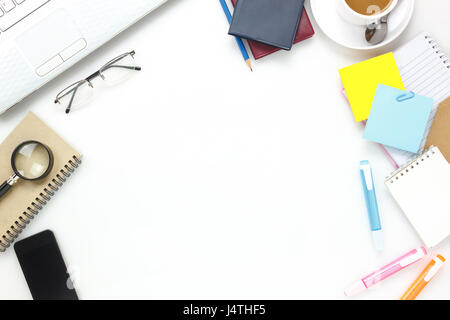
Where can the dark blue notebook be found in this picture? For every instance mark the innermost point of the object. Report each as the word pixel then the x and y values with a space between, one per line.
pixel 272 22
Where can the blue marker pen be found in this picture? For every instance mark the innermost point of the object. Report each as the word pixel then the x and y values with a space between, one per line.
pixel 371 203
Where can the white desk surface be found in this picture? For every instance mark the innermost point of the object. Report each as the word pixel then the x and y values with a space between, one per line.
pixel 202 180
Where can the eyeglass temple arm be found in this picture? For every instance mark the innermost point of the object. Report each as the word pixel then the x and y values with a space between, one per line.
pixel 68 92
pixel 124 67
pixel 98 73
pixel 65 94
pixel 71 99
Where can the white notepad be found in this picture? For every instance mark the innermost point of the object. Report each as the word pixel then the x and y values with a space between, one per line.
pixel 425 70
pixel 422 190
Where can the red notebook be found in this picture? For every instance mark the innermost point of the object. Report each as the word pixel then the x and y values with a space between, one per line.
pixel 305 30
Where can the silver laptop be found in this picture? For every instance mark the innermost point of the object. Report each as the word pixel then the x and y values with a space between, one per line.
pixel 39 39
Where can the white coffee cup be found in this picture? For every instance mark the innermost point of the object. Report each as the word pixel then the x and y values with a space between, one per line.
pixel 354 17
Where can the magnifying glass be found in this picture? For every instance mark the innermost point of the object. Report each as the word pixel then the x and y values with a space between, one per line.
pixel 31 160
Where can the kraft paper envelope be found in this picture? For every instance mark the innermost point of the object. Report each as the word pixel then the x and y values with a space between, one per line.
pixel 440 130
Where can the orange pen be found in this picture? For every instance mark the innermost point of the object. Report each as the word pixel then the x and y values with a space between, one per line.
pixel 424 278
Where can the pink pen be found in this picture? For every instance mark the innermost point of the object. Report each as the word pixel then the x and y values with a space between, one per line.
pixel 386 271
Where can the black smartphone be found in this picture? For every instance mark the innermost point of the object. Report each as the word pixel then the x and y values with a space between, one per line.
pixel 44 267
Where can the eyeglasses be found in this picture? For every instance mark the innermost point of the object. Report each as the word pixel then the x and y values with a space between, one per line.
pixel 115 71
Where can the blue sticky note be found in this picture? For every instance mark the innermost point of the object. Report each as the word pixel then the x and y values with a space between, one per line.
pixel 398 118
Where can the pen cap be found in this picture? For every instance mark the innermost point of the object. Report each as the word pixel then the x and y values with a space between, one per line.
pixel 355 288
pixel 436 264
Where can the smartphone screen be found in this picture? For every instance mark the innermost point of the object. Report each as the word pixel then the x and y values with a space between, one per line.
pixel 44 268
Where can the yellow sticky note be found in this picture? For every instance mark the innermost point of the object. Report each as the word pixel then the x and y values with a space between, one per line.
pixel 361 80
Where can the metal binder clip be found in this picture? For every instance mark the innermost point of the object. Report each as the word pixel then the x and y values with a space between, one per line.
pixel 406 96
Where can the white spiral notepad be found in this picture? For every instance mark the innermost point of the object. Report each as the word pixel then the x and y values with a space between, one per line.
pixel 422 190
pixel 425 70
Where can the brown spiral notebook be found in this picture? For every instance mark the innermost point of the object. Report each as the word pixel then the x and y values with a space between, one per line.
pixel 27 198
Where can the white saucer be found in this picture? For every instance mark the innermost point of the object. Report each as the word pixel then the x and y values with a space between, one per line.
pixel 352 36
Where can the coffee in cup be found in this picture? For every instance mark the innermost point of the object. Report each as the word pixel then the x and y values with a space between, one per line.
pixel 365 12
pixel 368 7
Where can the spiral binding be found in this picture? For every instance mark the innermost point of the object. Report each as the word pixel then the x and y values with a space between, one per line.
pixel 37 205
pixel 439 51
pixel 409 167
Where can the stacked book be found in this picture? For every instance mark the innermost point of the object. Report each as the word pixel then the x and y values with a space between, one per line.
pixel 270 25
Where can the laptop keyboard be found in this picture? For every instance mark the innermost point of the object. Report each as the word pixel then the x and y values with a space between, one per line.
pixel 13 11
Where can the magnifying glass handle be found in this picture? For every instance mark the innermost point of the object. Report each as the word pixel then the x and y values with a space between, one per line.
pixel 4 188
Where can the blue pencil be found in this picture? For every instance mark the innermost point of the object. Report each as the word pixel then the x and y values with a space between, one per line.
pixel 238 40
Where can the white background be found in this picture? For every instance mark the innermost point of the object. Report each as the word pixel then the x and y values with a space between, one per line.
pixel 204 180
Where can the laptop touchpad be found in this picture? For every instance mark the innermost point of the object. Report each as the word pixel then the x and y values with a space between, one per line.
pixel 51 42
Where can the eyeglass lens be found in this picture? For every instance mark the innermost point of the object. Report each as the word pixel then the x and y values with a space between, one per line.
pixel 76 96
pixel 119 70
